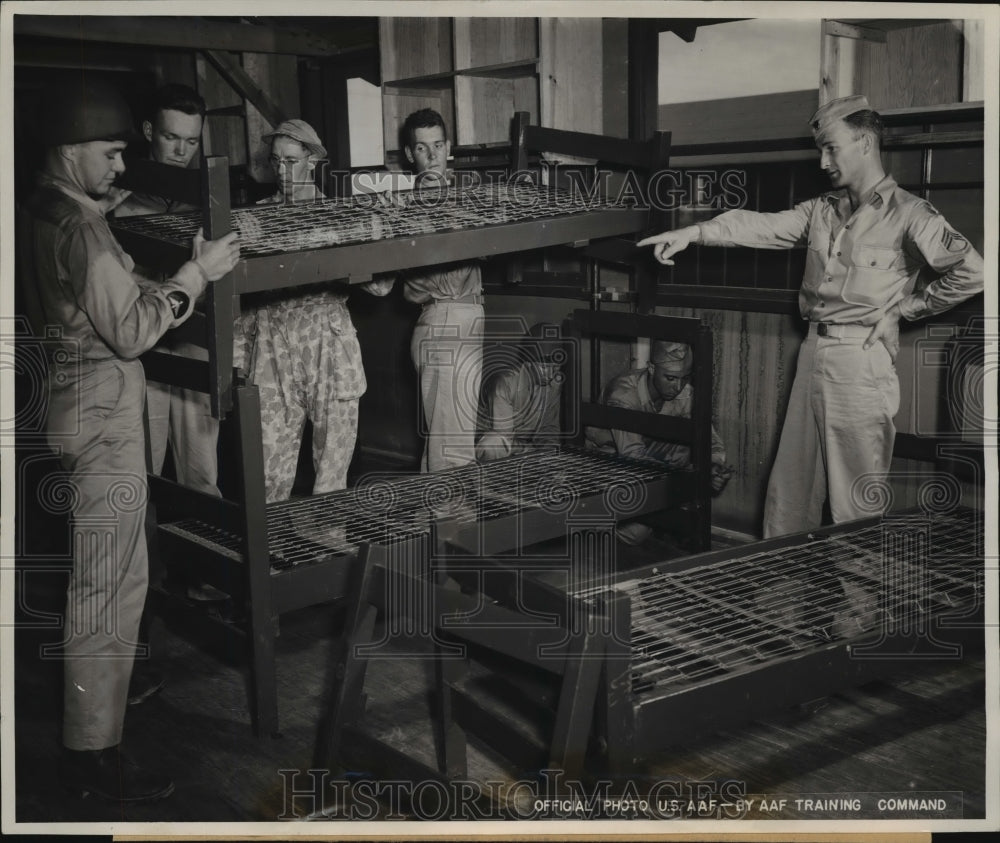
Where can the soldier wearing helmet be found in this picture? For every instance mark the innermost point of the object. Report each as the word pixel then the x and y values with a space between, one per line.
pixel 80 288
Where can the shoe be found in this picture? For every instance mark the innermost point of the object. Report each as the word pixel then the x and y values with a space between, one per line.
pixel 146 681
pixel 112 776
pixel 204 593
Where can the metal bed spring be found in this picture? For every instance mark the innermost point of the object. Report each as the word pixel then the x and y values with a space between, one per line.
pixel 730 616
pixel 277 229
pixel 389 509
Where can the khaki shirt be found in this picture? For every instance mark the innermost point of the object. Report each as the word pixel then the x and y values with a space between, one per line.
pixel 630 391
pixel 523 410
pixel 442 283
pixel 859 265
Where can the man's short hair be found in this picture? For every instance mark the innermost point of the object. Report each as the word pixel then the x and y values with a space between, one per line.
pixel 868 122
pixel 176 97
pixel 426 118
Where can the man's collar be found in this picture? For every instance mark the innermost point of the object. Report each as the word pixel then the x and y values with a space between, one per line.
pixel 65 186
pixel 883 190
pixel 879 194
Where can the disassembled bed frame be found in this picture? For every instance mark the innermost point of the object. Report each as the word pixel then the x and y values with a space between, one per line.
pixel 629 664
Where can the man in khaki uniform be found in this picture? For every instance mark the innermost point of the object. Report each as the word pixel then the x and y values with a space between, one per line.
pixel 868 241
pixel 447 342
pixel 78 283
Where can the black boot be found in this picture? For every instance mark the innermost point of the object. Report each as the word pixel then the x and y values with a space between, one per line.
pixel 112 776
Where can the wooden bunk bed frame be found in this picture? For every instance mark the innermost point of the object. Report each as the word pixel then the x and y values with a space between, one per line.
pixel 235 544
pixel 678 650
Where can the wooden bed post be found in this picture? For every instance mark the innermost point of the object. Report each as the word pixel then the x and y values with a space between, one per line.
pixel 646 271
pixel 615 712
pixel 701 450
pixel 219 296
pixel 256 562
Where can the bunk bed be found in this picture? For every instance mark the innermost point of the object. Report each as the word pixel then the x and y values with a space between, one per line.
pixel 273 558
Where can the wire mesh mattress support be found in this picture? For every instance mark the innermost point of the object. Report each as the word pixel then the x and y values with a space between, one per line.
pixel 391 509
pixel 692 627
pixel 273 229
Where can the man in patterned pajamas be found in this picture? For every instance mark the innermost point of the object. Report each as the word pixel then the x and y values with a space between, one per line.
pixel 300 347
pixel 868 241
pixel 77 280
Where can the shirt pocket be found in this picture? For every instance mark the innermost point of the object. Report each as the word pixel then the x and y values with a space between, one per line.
pixel 872 276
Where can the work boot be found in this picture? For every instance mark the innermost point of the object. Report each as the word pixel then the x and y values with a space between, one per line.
pixel 112 776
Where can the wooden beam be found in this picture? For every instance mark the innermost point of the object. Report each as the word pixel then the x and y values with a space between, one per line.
pixel 235 75
pixel 191 33
pixel 643 61
pixel 853 30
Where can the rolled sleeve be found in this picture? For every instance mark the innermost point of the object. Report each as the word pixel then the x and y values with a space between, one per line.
pixel 379 286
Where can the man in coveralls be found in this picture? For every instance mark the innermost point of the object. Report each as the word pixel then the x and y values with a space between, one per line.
pixel 80 282
pixel 868 240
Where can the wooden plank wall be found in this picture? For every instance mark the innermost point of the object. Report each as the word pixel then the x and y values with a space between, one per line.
pixel 918 66
pixel 485 41
pixel 571 73
pixel 277 75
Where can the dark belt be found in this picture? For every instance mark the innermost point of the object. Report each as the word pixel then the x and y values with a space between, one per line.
pixel 476 299
pixel 851 329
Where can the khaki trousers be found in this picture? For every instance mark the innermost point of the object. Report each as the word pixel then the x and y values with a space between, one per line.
pixel 838 434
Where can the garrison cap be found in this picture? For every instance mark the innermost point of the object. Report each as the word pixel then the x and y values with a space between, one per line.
pixel 829 113
pixel 675 357
pixel 298 130
pixel 86 109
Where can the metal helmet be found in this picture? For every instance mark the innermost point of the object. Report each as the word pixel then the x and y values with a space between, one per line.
pixel 86 109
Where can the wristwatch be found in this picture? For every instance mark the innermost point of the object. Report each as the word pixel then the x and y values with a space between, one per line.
pixel 178 302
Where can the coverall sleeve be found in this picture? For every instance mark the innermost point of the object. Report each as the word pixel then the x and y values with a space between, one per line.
pixel 129 318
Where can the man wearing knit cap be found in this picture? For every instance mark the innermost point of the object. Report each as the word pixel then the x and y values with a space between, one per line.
pixel 868 241
pixel 79 288
pixel 662 386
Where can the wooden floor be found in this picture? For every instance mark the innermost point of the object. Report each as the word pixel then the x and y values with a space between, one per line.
pixel 923 731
